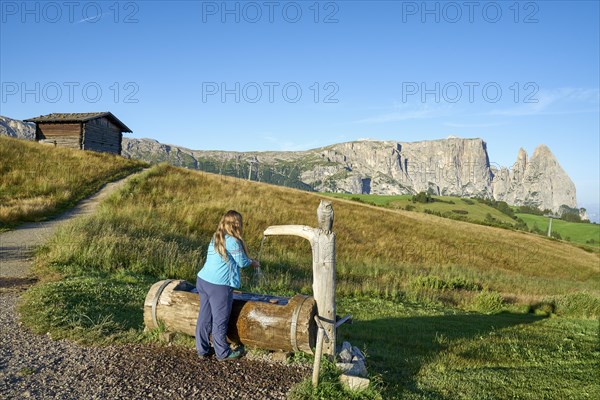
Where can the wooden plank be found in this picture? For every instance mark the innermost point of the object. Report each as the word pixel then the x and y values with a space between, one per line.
pixel 101 138
pixel 63 142
pixel 101 134
pixel 52 130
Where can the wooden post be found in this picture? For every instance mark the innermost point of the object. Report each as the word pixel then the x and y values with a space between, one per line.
pixel 323 252
pixel 318 354
pixel 321 336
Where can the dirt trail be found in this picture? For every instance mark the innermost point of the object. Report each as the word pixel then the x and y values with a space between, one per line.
pixel 17 246
pixel 35 366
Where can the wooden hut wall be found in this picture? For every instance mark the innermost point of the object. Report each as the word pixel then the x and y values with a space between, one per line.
pixel 102 135
pixel 66 135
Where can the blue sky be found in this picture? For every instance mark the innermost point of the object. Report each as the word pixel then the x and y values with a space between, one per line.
pixel 295 75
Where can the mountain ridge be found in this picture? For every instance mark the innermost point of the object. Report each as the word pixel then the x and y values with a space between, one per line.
pixel 452 166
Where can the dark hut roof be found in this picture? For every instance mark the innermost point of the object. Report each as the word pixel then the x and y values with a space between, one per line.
pixel 78 117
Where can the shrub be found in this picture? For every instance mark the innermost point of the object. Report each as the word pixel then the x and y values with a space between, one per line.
pixel 422 197
pixel 578 305
pixel 463 212
pixel 488 302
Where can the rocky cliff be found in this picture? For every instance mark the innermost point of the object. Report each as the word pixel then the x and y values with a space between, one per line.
pixel 17 129
pixel 451 167
pixel 539 181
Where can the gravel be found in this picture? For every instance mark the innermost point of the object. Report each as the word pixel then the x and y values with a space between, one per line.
pixel 35 366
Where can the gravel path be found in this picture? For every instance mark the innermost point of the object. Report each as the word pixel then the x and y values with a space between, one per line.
pixel 37 367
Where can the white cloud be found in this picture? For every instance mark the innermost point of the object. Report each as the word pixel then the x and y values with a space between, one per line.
pixel 283 144
pixel 482 125
pixel 403 112
pixel 555 101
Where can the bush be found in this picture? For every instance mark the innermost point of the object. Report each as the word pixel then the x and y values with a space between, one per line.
pixel 422 197
pixel 463 212
pixel 536 229
pixel 571 217
pixel 530 210
pixel 501 206
pixel 578 305
pixel 409 207
pixel 488 302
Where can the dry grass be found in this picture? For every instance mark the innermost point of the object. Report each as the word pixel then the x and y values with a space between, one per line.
pixel 38 180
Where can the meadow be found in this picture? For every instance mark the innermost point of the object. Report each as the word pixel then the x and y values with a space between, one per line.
pixel 471 210
pixel 451 206
pixel 38 181
pixel 587 234
pixel 443 308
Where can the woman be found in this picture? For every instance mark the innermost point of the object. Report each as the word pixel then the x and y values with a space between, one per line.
pixel 227 253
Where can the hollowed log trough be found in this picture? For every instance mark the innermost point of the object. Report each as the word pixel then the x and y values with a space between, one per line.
pixel 263 321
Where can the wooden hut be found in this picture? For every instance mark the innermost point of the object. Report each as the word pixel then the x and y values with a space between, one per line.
pixel 99 131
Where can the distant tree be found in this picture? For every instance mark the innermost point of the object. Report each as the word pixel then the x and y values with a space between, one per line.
pixel 422 197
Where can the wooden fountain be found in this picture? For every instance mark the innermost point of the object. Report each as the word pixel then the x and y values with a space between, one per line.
pixel 299 323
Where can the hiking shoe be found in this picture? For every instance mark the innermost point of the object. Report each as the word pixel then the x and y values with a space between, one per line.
pixel 210 353
pixel 234 355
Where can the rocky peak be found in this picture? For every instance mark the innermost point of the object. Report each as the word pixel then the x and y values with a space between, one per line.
pixel 17 129
pixel 539 182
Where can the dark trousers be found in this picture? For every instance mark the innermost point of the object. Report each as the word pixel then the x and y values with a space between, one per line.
pixel 213 317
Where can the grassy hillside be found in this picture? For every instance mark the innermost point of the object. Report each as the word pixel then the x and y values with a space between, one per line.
pixel 575 232
pixel 37 180
pixel 444 309
pixel 454 207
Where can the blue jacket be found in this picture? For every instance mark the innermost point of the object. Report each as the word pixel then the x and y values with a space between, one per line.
pixel 220 271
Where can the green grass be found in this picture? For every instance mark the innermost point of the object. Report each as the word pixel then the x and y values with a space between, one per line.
pixel 571 231
pixel 475 211
pixel 90 307
pixel 38 181
pixel 444 309
pixel 426 352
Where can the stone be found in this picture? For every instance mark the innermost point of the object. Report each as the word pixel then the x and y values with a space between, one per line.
pixel 345 355
pixel 167 336
pixel 357 368
pixel 281 356
pixel 355 383
pixel 357 354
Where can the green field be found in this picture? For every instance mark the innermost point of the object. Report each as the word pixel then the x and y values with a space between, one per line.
pixel 472 210
pixel 570 231
pixel 444 309
pixel 475 211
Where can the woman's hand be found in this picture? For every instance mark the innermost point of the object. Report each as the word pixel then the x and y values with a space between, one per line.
pixel 255 264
